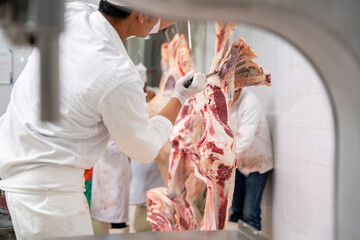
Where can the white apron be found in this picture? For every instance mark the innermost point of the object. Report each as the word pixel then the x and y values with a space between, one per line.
pixel 60 210
pixel 110 186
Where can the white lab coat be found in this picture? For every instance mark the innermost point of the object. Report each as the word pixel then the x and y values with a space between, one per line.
pixel 144 176
pixel 252 135
pixel 101 96
pixel 110 186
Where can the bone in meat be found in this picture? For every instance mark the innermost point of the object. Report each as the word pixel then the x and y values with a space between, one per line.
pixel 166 214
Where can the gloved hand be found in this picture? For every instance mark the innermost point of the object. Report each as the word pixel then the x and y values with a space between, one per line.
pixel 198 83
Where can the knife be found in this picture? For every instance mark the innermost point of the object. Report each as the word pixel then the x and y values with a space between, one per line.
pixel 188 82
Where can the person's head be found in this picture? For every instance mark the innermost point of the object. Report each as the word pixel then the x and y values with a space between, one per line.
pixel 128 21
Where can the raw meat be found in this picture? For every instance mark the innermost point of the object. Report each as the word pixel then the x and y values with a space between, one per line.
pixel 176 61
pixel 216 146
pixel 212 158
pixel 164 62
pixel 182 206
pixel 161 212
pixel 166 214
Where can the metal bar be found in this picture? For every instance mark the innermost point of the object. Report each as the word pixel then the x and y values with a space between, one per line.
pixel 167 34
pixel 189 34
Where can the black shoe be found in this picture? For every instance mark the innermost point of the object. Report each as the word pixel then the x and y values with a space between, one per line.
pixel 234 217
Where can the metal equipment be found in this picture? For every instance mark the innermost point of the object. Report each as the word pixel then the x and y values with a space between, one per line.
pixel 39 23
pixel 244 232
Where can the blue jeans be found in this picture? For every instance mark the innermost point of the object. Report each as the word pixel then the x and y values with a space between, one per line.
pixel 247 198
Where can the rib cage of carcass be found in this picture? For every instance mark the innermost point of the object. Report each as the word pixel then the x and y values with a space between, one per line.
pixel 212 158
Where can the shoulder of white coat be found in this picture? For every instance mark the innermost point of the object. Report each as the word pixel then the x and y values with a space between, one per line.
pixel 120 69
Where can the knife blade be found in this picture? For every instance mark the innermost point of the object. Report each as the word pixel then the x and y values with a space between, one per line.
pixel 188 82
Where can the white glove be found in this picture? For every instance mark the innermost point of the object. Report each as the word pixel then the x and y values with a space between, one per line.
pixel 198 83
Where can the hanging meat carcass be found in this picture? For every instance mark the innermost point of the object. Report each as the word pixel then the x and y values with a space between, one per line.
pixel 182 62
pixel 216 147
pixel 176 61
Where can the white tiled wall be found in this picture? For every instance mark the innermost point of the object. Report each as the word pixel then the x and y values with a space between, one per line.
pixel 298 201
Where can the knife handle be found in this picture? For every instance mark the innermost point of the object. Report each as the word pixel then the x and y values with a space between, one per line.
pixel 187 83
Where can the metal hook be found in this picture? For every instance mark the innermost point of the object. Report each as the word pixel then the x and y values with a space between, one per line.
pixel 167 34
pixel 177 27
pixel 173 30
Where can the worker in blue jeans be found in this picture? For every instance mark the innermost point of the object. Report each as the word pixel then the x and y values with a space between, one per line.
pixel 254 157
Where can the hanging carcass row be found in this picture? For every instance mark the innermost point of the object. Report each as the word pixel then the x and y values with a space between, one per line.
pixel 176 61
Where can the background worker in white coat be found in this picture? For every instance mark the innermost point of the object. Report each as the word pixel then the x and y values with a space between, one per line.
pixel 254 157
pixel 111 190
pixel 101 95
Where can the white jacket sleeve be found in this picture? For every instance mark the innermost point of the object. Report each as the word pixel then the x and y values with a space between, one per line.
pixel 249 121
pixel 125 116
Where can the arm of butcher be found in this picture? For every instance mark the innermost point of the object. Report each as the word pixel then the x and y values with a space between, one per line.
pixel 124 115
pixel 124 112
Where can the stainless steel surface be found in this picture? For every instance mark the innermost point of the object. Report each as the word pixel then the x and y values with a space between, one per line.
pixel 244 232
pixel 39 23
pixel 184 235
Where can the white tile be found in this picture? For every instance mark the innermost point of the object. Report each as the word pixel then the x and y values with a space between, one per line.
pixel 325 112
pixel 296 57
pixel 281 81
pixel 304 182
pixel 292 173
pixel 315 83
pixel 326 147
pixel 292 145
pixel 325 184
pixel 279 198
pixel 280 168
pixel 299 83
pixel 307 212
pixel 304 111
pixel 297 232
pixel 282 107
pixel 280 224
pixel 280 139
pixel 327 222
pixel 306 140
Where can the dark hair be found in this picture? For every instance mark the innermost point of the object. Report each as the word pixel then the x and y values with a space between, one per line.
pixel 114 11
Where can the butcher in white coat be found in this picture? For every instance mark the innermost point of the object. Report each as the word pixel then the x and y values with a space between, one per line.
pixel 101 96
